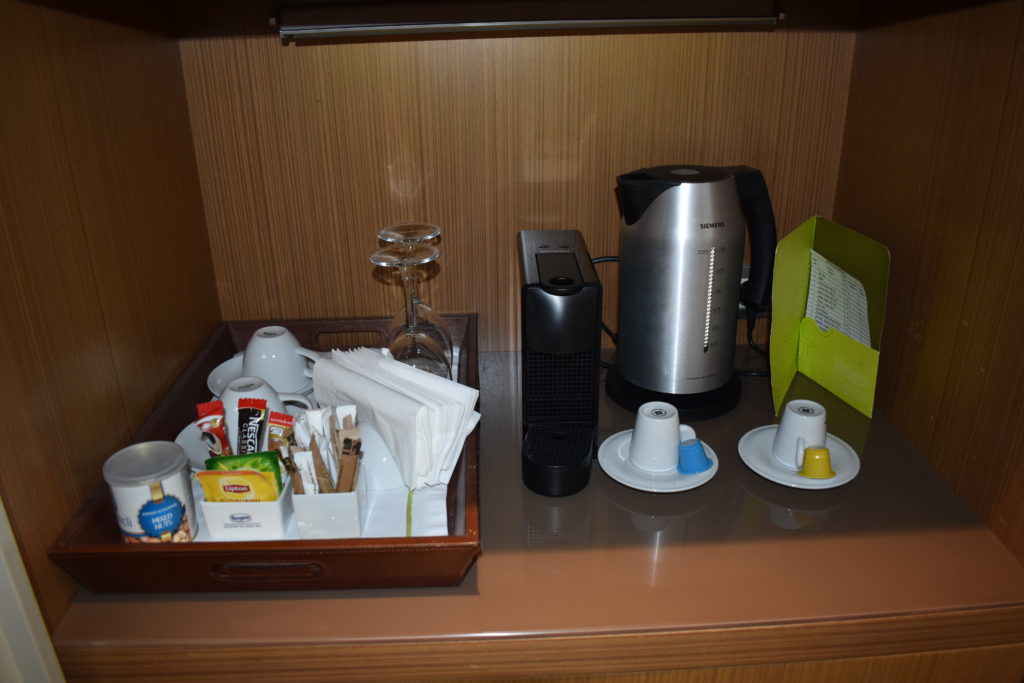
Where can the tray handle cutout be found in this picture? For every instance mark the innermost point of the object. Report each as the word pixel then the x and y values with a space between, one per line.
pixel 249 571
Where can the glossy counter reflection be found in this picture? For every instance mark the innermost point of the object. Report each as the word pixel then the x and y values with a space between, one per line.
pixel 611 559
pixel 895 490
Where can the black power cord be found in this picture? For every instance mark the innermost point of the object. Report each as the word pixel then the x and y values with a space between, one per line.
pixel 751 321
pixel 604 326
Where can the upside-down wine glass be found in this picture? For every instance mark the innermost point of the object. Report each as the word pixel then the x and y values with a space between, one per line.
pixel 408 235
pixel 411 344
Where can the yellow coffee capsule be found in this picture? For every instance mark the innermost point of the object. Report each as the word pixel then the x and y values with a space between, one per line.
pixel 817 464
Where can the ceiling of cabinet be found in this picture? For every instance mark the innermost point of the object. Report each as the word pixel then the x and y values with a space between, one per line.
pixel 318 19
pixel 365 19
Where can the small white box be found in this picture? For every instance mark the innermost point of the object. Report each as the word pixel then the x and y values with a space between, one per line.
pixel 249 521
pixel 332 515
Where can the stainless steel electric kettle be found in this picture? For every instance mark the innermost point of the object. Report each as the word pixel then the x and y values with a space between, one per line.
pixel 680 266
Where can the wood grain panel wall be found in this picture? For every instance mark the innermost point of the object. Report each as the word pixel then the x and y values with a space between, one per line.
pixel 1000 664
pixel 762 654
pixel 305 151
pixel 106 270
pixel 931 167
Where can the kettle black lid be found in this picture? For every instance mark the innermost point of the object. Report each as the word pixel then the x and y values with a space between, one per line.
pixel 638 189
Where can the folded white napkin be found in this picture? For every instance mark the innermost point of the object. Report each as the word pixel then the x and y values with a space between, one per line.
pixel 389 512
pixel 424 419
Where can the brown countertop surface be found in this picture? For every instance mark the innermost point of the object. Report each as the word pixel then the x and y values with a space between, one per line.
pixel 738 551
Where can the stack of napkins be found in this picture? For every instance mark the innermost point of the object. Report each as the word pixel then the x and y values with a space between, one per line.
pixel 423 419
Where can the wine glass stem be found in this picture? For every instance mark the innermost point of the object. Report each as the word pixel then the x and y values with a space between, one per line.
pixel 409 286
pixel 414 279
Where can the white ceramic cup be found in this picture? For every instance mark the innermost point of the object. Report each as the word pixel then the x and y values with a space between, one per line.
pixel 802 426
pixel 274 354
pixel 253 387
pixel 654 445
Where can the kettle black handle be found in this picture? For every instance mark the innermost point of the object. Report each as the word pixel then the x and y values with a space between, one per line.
pixel 757 208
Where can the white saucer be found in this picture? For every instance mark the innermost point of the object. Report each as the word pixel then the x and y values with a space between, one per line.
pixel 226 372
pixel 614 458
pixel 231 369
pixel 191 439
pixel 305 390
pixel 755 449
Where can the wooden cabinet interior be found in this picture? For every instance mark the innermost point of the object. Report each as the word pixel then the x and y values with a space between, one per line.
pixel 930 166
pixel 152 186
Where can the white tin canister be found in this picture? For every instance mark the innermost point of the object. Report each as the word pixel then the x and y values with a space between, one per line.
pixel 152 493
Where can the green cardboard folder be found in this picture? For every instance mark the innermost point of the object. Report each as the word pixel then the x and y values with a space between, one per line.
pixel 844 366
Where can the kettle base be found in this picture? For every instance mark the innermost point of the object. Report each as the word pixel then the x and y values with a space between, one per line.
pixel 701 406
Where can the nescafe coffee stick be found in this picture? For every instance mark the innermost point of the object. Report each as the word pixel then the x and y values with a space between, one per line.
pixel 252 413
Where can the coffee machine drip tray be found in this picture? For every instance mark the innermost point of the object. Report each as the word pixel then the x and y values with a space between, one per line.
pixel 557 457
pixel 701 406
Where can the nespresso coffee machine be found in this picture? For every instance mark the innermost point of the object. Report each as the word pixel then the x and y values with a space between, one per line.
pixel 561 348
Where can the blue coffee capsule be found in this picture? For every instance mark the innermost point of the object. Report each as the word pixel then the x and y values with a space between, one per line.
pixel 692 458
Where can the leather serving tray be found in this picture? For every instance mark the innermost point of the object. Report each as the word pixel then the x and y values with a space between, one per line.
pixel 90 548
